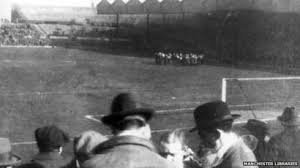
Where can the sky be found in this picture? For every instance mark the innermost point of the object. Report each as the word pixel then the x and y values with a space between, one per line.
pixel 79 3
pixel 82 3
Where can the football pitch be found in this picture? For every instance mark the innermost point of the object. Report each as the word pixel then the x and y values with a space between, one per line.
pixel 73 88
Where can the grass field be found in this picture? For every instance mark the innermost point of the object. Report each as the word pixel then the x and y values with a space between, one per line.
pixel 40 86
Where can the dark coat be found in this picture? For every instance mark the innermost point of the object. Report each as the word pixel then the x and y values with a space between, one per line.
pixel 30 165
pixel 285 146
pixel 236 155
pixel 126 152
pixel 261 151
pixel 51 160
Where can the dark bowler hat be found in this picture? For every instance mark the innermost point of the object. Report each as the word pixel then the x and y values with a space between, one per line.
pixel 51 137
pixel 210 114
pixel 124 105
pixel 257 127
pixel 289 117
pixel 6 157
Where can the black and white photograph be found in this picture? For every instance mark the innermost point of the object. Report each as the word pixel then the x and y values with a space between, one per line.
pixel 149 83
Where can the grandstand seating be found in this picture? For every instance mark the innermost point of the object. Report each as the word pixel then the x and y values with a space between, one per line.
pixel 21 34
pixel 56 14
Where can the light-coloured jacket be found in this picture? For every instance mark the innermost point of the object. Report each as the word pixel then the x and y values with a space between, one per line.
pixel 127 152
pixel 236 155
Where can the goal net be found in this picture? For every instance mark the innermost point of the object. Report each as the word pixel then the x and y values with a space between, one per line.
pixel 261 98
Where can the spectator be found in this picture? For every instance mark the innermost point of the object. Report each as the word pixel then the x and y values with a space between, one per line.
pixel 172 147
pixel 50 141
pixel 285 146
pixel 7 159
pixel 131 145
pixel 219 146
pixel 260 130
pixel 21 34
pixel 85 144
pixel 251 141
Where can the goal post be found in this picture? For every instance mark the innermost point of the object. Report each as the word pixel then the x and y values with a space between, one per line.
pixel 262 96
pixel 224 82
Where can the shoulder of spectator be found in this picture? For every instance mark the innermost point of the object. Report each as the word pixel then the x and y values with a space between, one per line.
pixel 238 154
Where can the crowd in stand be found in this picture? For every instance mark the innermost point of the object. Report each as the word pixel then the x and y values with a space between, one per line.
pixel 21 34
pixel 183 58
pixel 130 146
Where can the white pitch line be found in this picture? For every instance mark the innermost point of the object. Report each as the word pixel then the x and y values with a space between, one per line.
pixel 266 78
pixel 170 129
pixel 91 117
pixel 18 61
pixel 26 46
pixel 23 143
pixel 169 111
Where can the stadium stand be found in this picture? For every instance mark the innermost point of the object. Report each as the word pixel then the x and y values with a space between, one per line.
pixel 21 34
pixel 59 29
pixel 55 14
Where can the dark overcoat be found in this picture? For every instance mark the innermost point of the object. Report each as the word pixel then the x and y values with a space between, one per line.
pixel 285 146
pixel 51 160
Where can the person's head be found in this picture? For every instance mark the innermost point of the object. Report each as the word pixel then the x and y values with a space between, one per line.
pixel 172 143
pixel 211 119
pixel 132 125
pixel 172 147
pixel 128 117
pixel 289 118
pixel 85 143
pixel 51 138
pixel 7 159
pixel 257 128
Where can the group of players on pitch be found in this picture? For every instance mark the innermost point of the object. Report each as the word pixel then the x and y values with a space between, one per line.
pixel 131 145
pixel 164 58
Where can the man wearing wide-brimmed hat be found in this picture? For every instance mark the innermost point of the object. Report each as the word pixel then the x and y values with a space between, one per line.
pixel 219 146
pixel 285 146
pixel 130 146
pixel 7 159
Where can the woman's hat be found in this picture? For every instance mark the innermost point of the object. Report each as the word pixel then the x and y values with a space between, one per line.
pixel 124 105
pixel 6 157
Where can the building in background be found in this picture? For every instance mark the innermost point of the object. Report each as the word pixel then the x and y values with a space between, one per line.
pixel 171 6
pixel 135 7
pixel 119 6
pixel 282 6
pixel 5 11
pixel 104 7
pixel 152 6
